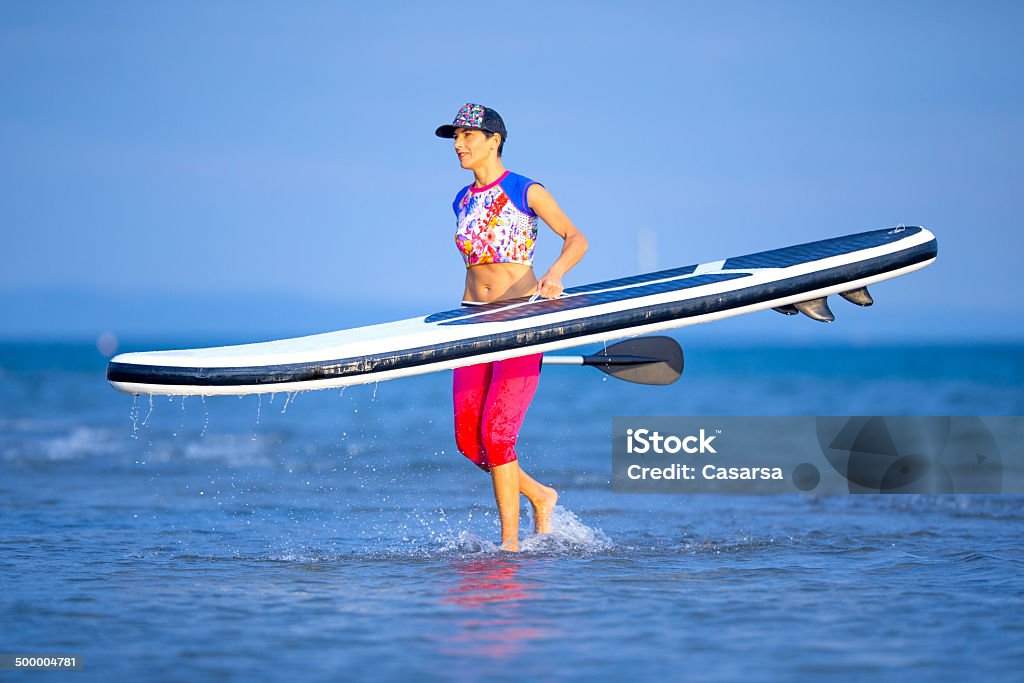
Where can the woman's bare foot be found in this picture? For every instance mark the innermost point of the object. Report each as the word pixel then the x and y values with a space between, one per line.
pixel 542 509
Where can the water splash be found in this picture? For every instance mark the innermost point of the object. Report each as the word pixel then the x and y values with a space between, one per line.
pixel 466 542
pixel 287 400
pixel 568 535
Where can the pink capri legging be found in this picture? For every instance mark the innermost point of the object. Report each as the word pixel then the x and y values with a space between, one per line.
pixel 490 403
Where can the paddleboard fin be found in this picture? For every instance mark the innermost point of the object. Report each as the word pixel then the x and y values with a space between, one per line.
pixel 859 296
pixel 816 309
pixel 788 309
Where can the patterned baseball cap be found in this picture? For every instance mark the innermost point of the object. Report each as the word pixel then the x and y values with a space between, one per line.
pixel 475 117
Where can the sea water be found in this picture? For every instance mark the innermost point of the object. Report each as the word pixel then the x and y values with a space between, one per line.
pixel 339 535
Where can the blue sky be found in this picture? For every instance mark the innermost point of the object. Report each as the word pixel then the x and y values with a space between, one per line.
pixel 247 167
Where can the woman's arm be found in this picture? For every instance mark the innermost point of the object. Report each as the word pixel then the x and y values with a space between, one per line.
pixel 544 205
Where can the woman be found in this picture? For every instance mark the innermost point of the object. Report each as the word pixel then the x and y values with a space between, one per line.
pixel 497 229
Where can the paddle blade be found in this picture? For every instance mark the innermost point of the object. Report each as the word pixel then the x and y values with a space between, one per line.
pixel 643 360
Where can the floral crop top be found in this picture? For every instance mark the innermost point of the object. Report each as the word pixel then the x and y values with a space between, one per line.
pixel 495 223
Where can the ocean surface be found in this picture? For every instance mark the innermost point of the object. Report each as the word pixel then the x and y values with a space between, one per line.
pixel 339 535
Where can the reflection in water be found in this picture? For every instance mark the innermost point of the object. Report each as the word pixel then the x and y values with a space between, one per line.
pixel 497 623
pixel 486 581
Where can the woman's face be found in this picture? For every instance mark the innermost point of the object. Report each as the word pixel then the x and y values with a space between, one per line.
pixel 473 147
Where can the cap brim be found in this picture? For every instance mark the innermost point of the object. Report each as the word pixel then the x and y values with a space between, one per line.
pixel 449 131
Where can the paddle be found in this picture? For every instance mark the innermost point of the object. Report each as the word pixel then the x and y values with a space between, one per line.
pixel 643 360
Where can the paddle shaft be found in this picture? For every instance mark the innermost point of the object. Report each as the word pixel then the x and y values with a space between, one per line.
pixel 599 360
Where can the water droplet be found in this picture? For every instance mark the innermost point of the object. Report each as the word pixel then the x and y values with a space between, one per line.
pixel 150 412
pixel 133 414
pixel 206 418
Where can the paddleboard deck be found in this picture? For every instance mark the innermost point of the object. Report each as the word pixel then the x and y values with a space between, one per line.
pixel 598 312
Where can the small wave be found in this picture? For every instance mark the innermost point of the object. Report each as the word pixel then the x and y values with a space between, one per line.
pixel 297 555
pixel 80 443
pixel 234 450
pixel 741 545
pixel 965 506
pixel 32 424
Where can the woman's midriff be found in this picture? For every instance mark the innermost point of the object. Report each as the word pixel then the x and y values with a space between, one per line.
pixel 496 281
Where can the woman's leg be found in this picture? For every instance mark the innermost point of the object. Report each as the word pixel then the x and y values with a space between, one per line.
pixel 513 385
pixel 469 390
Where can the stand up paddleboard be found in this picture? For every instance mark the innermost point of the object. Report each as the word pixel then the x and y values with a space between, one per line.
pixel 792 280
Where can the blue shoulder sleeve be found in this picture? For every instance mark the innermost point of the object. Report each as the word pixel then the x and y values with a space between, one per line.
pixel 516 186
pixel 458 199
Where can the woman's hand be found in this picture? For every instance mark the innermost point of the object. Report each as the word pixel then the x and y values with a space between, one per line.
pixel 549 286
